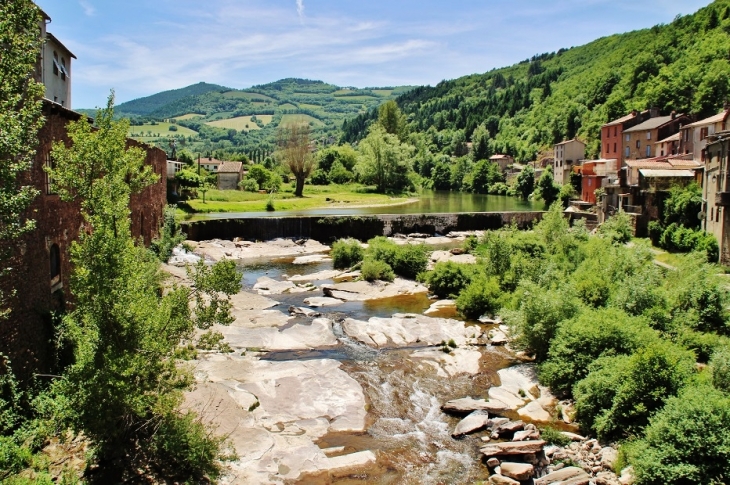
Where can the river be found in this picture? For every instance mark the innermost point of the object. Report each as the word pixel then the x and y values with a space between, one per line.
pixel 428 202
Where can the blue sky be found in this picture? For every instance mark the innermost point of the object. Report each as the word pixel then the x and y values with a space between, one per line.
pixel 142 47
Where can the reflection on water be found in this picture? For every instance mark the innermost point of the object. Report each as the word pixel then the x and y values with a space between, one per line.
pixel 429 202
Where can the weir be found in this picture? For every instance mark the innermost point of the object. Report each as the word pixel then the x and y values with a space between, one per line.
pixel 363 227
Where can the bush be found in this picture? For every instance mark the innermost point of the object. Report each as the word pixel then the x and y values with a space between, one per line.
pixel 374 269
pixel 382 249
pixel 449 278
pixel 346 253
pixel 338 174
pixel 684 240
pixel 620 393
pixel 617 229
pixel 249 185
pixel 270 207
pixel 406 261
pixel 481 297
pixel 583 339
pixel 319 177
pixel 554 437
pixel 686 442
pixel 720 367
pixel 170 235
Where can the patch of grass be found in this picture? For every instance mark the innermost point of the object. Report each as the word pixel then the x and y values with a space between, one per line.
pixel 300 118
pixel 241 123
pixel 315 196
pixel 147 132
pixel 188 116
pixel 554 437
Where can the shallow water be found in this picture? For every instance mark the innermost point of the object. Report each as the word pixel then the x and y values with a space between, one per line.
pixel 429 202
pixel 406 428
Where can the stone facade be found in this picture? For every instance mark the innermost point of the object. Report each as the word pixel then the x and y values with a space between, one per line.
pixel 41 264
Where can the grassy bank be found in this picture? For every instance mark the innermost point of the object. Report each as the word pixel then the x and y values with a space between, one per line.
pixel 315 196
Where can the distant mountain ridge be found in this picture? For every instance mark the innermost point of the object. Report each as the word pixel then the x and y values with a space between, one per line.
pixel 149 104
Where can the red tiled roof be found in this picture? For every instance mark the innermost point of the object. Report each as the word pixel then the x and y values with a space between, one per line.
pixel 712 119
pixel 230 167
pixel 648 163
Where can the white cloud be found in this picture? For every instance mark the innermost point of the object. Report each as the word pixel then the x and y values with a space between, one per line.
pixel 300 10
pixel 89 9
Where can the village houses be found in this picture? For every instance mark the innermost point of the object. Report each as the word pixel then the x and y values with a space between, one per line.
pixel 566 155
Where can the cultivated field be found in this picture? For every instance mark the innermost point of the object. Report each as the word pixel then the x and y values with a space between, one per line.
pixel 241 123
pixel 148 132
pixel 188 116
pixel 292 119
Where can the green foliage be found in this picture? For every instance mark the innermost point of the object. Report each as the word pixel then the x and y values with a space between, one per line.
pixel 720 368
pixel 547 189
pixel 346 253
pixel 682 206
pixel 270 207
pixel 376 269
pixel 686 442
pixel 384 161
pixel 617 228
pixel 124 385
pixel 448 278
pixel 338 174
pixel 259 173
pixel 170 235
pixel 698 299
pixel 583 339
pixel 525 183
pixel 681 239
pixel 249 185
pixel 319 177
pixel 554 437
pixel 481 297
pixel 391 119
pixel 406 261
pixel 566 194
pixel 621 393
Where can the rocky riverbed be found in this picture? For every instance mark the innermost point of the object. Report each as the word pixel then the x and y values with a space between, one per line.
pixel 335 381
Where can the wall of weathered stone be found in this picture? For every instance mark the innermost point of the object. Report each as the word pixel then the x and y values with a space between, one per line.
pixel 27 334
pixel 330 228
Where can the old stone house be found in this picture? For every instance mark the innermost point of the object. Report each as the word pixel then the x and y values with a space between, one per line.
pixel 566 155
pixel 229 175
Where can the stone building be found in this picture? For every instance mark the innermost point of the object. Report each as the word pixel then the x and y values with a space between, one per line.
pixel 229 175
pixel 565 156
pixel 716 192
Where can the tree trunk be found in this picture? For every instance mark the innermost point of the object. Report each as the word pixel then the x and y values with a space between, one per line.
pixel 300 187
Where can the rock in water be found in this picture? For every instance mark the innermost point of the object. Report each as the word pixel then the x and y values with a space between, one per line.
pixel 476 421
pixel 517 471
pixel 513 448
pixel 564 475
pixel 468 405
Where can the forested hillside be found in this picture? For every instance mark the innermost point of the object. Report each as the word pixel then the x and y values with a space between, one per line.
pixel 206 118
pixel 682 66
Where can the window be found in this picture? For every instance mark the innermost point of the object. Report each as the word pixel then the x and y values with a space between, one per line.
pixel 628 137
pixel 648 151
pixel 55 259
pixel 712 213
pixel 648 135
pixel 615 130
pixel 50 190
pixel 703 133
pixel 63 69
pixel 614 148
pixel 627 152
pixel 55 63
pixel 638 143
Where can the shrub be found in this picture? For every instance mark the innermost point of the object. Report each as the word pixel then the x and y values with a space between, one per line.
pixel 374 269
pixel 410 260
pixel 554 437
pixel 583 339
pixel 720 367
pixel 448 279
pixel 655 230
pixel 319 177
pixel 346 253
pixel 270 207
pixel 481 297
pixel 686 442
pixel 382 248
pixel 339 174
pixel 617 229
pixel 170 235
pixel 249 185
pixel 620 393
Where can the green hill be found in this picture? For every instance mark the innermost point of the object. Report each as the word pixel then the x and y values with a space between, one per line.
pixel 527 107
pixel 233 121
pixel 150 104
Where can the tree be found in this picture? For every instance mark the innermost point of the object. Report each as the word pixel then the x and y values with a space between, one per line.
pixel 124 387
pixel 392 120
pixel 20 117
pixel 480 143
pixel 384 161
pixel 547 189
pixel 295 153
pixel 525 182
pixel 258 173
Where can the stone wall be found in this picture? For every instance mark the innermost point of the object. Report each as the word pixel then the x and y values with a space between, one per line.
pixel 27 335
pixel 330 228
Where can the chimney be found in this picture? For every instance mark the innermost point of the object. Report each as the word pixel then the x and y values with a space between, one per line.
pixel 654 112
pixel 674 114
pixel 634 113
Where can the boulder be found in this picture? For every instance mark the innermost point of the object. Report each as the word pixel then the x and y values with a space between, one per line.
pixel 573 436
pixel 440 306
pixel 468 405
pixel 406 329
pixel 627 476
pixel 563 475
pixel 606 478
pixel 322 301
pixel 534 412
pixel 304 312
pixel 498 338
pixel 314 258
pixel 512 400
pixel 517 471
pixel 507 428
pixel 529 433
pixel 502 480
pixel 476 421
pixel 608 457
pixel 512 448
pixel 270 286
pixel 319 276
pixel 375 290
pixel 493 462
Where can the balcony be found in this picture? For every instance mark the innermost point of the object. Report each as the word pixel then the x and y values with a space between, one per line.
pixel 722 199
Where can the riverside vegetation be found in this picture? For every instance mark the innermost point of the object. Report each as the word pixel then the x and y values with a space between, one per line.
pixel 642 350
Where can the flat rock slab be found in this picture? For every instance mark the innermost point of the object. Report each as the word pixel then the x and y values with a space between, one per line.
pixel 444 256
pixel 353 460
pixel 270 286
pixel 322 301
pixel 407 329
pixel 326 274
pixel 517 471
pixel 297 337
pixel 563 475
pixel 513 448
pixel 535 413
pixel 278 248
pixel 468 405
pixel 441 306
pixel 315 258
pixel 304 312
pixel 458 361
pixel 502 480
pixel 376 290
pixel 476 421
